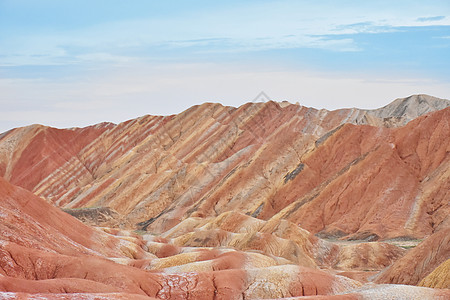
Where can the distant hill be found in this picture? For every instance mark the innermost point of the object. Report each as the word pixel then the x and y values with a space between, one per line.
pixel 265 200
pixel 261 159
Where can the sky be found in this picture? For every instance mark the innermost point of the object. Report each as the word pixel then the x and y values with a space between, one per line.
pixel 76 63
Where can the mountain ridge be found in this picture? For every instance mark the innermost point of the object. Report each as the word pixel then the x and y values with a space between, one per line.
pixel 157 170
pixel 436 104
pixel 265 200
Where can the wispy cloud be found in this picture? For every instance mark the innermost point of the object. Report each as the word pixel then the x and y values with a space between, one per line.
pixel 231 45
pixel 105 57
pixel 62 50
pixel 165 57
pixel 363 27
pixel 430 19
pixel 241 27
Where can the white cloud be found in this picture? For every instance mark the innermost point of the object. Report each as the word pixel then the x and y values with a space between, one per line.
pixel 104 57
pixel 97 92
pixel 243 27
pixel 430 19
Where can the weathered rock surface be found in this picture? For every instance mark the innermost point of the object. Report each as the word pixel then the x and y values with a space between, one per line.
pixel 76 296
pixel 44 250
pixel 439 278
pixel 385 184
pixel 367 256
pixel 29 221
pixel 28 155
pixel 403 110
pixel 397 291
pixel 266 200
pixel 420 261
pixel 262 159
pixel 277 242
pixel 382 292
pixel 96 216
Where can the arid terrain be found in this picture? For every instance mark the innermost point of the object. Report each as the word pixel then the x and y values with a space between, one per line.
pixel 265 201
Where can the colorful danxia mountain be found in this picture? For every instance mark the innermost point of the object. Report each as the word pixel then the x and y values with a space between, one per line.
pixel 269 200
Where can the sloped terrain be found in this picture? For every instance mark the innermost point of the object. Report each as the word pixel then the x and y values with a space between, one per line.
pixel 60 267
pixel 439 278
pixel 261 159
pixel 421 261
pixel 266 200
pixel 403 110
pixel 44 250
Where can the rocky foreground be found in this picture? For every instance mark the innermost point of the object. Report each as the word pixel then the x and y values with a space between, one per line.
pixel 265 201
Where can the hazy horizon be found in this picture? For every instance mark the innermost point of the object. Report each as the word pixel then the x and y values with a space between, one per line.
pixel 256 99
pixel 78 63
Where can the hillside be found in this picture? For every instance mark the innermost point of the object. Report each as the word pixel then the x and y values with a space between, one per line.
pixel 260 159
pixel 47 254
pixel 267 200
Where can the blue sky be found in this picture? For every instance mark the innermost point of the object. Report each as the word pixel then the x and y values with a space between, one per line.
pixel 75 63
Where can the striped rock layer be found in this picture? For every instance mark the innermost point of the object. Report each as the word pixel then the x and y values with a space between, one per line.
pixel 315 168
pixel 231 203
pixel 48 254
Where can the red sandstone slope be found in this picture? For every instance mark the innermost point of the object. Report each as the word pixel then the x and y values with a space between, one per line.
pixel 42 247
pixel 187 176
pixel 420 261
pixel 374 182
pixel 29 221
pixel 44 250
pixel 29 154
pixel 262 159
pixel 42 261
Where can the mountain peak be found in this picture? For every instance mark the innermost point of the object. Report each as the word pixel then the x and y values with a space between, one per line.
pixel 410 107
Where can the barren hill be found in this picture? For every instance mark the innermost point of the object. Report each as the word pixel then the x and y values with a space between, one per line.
pixel 47 254
pixel 261 159
pixel 404 110
pixel 244 202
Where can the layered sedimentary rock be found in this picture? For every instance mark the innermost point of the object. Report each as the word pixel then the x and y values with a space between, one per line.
pixel 375 182
pixel 262 159
pixel 266 200
pixel 403 110
pixel 439 278
pixel 421 261
pixel 44 250
pixel 28 221
pixel 281 241
pixel 28 155
pixel 96 216
pixel 48 253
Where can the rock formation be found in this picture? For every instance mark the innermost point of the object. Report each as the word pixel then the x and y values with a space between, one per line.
pixel 266 200
pixel 44 250
pixel 261 159
pixel 439 278
pixel 421 261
